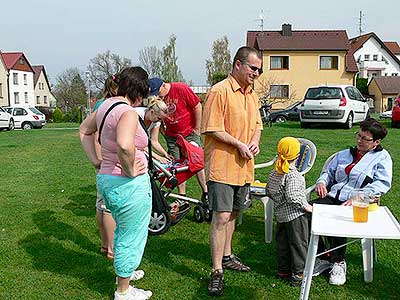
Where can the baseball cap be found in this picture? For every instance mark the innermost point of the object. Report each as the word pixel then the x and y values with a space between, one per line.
pixel 155 84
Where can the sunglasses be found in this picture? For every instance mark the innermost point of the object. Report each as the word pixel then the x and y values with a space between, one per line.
pixel 253 68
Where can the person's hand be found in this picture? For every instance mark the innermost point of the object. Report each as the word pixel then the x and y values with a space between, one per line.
pixel 138 168
pixel 347 203
pixel 244 151
pixel 164 160
pixel 254 148
pixel 321 190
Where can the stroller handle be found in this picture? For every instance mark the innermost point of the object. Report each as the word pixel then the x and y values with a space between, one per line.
pixel 173 181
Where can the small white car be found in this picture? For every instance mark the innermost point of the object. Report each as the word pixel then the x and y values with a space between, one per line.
pixel 341 104
pixel 6 120
pixel 385 115
pixel 26 117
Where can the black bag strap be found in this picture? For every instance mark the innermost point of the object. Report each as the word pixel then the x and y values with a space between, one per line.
pixel 151 166
pixel 105 116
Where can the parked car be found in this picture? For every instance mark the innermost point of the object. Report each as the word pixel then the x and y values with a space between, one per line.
pixel 26 117
pixel 385 115
pixel 6 120
pixel 342 104
pixel 290 113
pixel 396 113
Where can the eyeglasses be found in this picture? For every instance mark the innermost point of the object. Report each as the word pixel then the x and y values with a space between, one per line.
pixel 253 68
pixel 363 138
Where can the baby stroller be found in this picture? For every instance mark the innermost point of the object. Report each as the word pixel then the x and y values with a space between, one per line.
pixel 164 178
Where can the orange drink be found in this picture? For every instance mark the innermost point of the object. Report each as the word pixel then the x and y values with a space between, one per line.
pixel 360 212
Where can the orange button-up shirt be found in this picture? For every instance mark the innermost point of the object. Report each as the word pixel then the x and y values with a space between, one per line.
pixel 228 109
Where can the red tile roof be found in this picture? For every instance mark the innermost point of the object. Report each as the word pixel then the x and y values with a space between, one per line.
pixel 303 40
pixel 37 70
pixel 393 46
pixel 388 84
pixel 11 58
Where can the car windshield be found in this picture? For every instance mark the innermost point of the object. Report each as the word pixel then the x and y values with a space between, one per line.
pixel 35 111
pixel 324 93
pixel 8 109
pixel 292 105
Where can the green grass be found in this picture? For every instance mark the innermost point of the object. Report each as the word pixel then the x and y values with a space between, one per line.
pixel 49 242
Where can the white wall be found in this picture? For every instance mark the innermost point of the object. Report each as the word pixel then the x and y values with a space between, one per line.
pixel 21 88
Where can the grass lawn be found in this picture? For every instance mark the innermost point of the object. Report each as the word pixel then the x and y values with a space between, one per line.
pixel 49 242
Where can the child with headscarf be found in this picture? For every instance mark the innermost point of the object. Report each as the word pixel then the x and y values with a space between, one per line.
pixel 286 187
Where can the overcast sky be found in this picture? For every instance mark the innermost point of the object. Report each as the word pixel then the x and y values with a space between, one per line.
pixel 63 34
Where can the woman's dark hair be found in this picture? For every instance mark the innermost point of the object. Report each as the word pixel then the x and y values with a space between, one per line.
pixel 132 82
pixel 377 130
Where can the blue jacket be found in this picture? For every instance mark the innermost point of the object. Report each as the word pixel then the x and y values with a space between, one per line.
pixel 372 173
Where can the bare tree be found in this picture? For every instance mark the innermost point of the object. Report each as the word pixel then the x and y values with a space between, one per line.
pixel 70 90
pixel 219 65
pixel 150 59
pixel 103 65
pixel 170 71
pixel 270 90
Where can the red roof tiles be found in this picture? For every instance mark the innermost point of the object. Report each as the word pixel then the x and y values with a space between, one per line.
pixel 393 46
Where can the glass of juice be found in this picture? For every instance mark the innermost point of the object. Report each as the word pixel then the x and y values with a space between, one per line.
pixel 360 201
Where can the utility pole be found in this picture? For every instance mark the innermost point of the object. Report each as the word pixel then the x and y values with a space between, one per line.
pixel 360 20
pixel 261 19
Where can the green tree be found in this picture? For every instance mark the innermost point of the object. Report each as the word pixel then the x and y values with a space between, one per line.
pixel 362 85
pixel 170 71
pixel 58 115
pixel 102 66
pixel 219 65
pixel 150 59
pixel 70 90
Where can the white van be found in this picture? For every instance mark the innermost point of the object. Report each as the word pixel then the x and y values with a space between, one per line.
pixel 26 117
pixel 341 104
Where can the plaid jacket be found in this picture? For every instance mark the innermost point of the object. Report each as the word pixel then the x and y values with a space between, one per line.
pixel 287 191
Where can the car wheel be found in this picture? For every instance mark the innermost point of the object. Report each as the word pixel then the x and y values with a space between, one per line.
pixel 349 122
pixel 11 125
pixel 280 119
pixel 26 126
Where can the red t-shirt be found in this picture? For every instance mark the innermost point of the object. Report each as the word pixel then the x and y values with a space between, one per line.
pixel 181 102
pixel 351 165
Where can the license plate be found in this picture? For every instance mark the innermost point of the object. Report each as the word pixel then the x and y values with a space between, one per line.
pixel 320 112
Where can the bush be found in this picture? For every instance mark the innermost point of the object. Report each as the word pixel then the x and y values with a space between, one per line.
pixel 47 111
pixel 362 85
pixel 58 115
pixel 74 115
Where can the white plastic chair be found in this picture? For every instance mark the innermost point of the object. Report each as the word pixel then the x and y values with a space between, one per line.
pixel 308 153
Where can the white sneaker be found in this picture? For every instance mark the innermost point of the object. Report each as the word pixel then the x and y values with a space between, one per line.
pixel 136 275
pixel 321 266
pixel 133 294
pixel 338 273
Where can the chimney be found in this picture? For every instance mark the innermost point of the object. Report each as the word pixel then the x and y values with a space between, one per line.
pixel 286 30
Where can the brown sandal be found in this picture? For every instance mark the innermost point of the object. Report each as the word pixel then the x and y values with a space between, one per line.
pixel 110 256
pixel 234 263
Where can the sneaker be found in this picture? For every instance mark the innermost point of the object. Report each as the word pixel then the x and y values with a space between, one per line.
pixel 321 266
pixel 136 275
pixel 216 285
pixel 338 273
pixel 133 294
pixel 296 279
pixel 234 263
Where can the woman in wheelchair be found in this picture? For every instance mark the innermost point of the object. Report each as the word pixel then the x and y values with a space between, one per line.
pixel 366 166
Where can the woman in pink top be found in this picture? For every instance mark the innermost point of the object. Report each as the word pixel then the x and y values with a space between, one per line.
pixel 123 180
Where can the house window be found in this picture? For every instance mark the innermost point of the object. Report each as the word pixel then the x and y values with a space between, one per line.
pixel 16 97
pixel 394 74
pixel 15 78
pixel 279 63
pixel 21 61
pixel 37 99
pixel 279 91
pixel 386 74
pixel 45 99
pixel 25 79
pixel 328 62
pixel 26 97
pixel 366 57
pixel 375 57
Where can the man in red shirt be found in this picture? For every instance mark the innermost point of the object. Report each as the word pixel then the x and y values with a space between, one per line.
pixel 184 119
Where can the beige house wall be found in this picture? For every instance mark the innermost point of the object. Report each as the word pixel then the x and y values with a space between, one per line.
pixel 42 90
pixel 304 71
pixel 3 84
pixel 374 91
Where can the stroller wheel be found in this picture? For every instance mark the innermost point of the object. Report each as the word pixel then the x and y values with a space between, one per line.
pixel 198 214
pixel 207 214
pixel 159 223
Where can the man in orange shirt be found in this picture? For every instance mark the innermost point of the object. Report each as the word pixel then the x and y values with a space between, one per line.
pixel 232 128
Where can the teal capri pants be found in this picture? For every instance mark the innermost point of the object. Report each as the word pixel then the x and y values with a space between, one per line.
pixel 129 200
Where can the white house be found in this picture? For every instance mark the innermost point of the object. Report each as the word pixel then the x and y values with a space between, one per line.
pixel 20 79
pixel 373 57
pixel 43 95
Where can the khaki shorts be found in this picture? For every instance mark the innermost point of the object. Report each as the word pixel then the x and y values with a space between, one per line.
pixel 173 147
pixel 226 198
pixel 101 206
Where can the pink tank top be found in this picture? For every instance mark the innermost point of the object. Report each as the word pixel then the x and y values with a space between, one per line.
pixel 108 137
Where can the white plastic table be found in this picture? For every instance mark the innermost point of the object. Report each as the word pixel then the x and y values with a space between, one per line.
pixel 336 220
